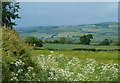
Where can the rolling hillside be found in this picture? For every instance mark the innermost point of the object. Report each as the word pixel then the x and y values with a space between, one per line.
pixel 100 31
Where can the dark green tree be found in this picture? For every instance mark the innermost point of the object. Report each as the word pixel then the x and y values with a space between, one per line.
pixel 104 42
pixel 62 40
pixel 86 39
pixel 55 41
pixel 34 41
pixel 0 12
pixel 38 43
pixel 9 13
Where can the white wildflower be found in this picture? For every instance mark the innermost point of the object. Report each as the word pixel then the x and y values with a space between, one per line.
pixel 51 51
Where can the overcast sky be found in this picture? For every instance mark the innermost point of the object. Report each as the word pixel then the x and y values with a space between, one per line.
pixel 66 13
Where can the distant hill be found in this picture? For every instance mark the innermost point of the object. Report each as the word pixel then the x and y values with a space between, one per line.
pixel 100 31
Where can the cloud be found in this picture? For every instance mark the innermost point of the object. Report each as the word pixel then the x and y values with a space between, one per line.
pixel 66 13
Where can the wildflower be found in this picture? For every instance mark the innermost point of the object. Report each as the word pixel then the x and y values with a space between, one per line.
pixel 51 51
pixel 49 55
pixel 41 55
pixel 61 55
pixel 20 70
pixel 11 62
pixel 26 74
pixel 30 68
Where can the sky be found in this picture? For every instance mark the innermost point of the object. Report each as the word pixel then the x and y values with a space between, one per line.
pixel 66 13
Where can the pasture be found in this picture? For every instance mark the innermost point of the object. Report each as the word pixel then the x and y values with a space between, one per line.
pixel 73 46
pixel 66 51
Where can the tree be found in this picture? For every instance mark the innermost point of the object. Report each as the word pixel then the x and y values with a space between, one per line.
pixel 55 41
pixel 65 40
pixel 86 39
pixel 9 13
pixel 34 41
pixel 62 40
pixel 104 42
pixel 0 12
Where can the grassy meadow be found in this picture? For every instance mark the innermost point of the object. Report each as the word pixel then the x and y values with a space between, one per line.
pixel 66 50
pixel 73 46
pixel 67 64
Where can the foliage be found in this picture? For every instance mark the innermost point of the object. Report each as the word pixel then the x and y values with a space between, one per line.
pixel 104 42
pixel 55 41
pixel 16 59
pixel 65 40
pixel 86 39
pixel 34 41
pixel 9 13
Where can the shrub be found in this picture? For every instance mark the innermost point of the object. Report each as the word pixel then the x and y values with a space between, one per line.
pixel 104 42
pixel 16 59
pixel 34 41
pixel 55 41
pixel 86 39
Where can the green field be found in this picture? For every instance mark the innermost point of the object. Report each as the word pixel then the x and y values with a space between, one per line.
pixel 72 46
pixel 68 64
pixel 66 50
pixel 102 56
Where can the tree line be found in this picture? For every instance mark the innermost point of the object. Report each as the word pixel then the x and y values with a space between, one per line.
pixel 85 40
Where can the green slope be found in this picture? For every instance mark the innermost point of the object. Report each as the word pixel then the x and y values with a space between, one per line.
pixel 100 31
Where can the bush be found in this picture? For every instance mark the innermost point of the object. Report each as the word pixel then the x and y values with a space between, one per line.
pixel 86 39
pixel 34 41
pixel 104 42
pixel 17 64
pixel 55 41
